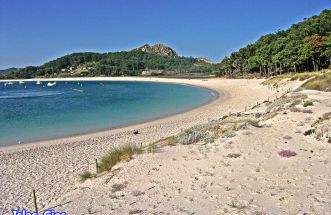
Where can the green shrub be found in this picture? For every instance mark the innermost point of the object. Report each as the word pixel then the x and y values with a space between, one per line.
pixel 307 103
pixel 225 116
pixel 309 132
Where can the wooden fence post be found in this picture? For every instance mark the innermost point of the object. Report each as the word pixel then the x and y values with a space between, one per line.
pixel 96 165
pixel 34 200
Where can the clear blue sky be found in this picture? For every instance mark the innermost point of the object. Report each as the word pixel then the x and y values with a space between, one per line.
pixel 35 31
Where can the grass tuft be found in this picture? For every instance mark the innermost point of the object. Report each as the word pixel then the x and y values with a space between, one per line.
pixel 117 155
pixel 85 175
pixel 118 187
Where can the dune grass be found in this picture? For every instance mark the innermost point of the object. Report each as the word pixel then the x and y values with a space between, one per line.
pixel 320 83
pixel 118 155
pixel 126 153
pixel 85 175
pixel 304 76
pixel 275 80
pixel 298 76
pixel 118 187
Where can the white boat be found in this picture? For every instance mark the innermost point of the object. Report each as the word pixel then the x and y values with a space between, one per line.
pixel 21 82
pixel 8 83
pixel 38 82
pixel 51 84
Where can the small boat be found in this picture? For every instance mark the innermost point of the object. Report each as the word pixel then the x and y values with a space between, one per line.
pixel 38 82
pixel 21 82
pixel 51 84
pixel 8 83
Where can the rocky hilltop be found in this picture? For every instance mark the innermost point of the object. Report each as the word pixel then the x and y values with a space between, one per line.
pixel 158 49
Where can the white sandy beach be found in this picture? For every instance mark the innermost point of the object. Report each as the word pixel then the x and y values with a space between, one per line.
pixel 193 179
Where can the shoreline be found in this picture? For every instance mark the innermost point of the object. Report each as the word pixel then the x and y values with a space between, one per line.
pixel 34 143
pixel 102 132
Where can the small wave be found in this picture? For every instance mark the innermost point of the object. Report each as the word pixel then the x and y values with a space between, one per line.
pixel 78 90
pixel 29 95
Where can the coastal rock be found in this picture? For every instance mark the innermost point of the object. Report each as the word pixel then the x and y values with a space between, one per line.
pixel 158 49
pixel 204 60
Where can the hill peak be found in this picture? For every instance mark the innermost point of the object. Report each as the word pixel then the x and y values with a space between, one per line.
pixel 158 49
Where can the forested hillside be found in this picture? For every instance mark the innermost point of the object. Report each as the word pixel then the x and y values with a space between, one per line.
pixel 305 46
pixel 146 58
pixel 7 71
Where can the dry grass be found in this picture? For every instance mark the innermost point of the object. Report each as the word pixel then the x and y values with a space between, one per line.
pixel 118 187
pixel 85 175
pixel 304 76
pixel 285 102
pixel 275 81
pixel 117 155
pixel 325 117
pixel 297 109
pixel 233 155
pixel 287 137
pixel 320 83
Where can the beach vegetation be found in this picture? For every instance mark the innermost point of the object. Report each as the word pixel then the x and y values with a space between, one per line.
pixel 287 137
pixel 188 131
pixel 309 132
pixel 285 101
pixel 118 187
pixel 307 103
pixel 135 211
pixel 229 134
pixel 233 155
pixel 287 153
pixel 85 175
pixel 171 141
pixel 239 207
pixel 269 115
pixel 136 193
pixel 320 83
pixel 192 135
pixel 117 155
pixel 297 109
pixel 325 117
pixel 306 111
pixel 224 117
pixel 151 147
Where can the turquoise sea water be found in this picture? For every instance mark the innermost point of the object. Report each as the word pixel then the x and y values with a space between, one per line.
pixel 31 112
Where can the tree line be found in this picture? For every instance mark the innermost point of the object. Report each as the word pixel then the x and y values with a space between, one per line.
pixel 305 46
